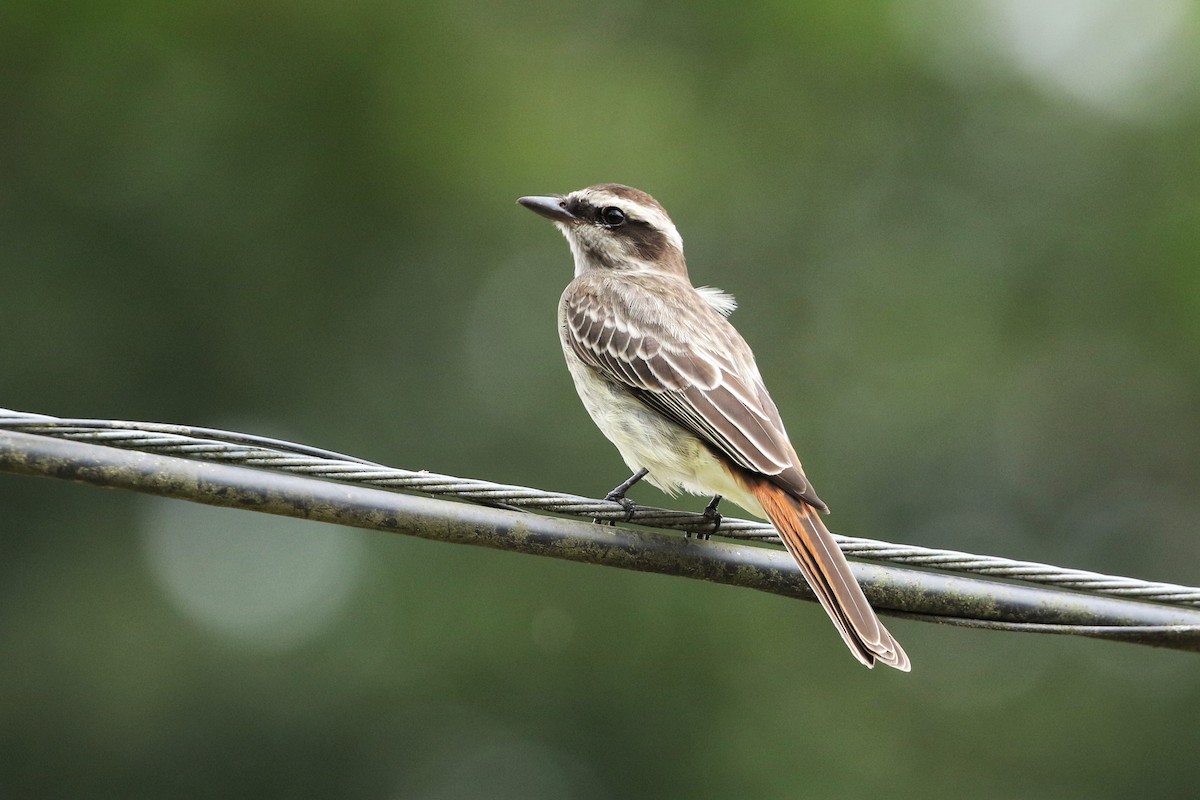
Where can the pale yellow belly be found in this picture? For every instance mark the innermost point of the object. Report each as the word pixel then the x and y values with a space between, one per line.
pixel 677 460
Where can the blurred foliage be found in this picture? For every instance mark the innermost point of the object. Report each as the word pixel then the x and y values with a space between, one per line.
pixel 963 236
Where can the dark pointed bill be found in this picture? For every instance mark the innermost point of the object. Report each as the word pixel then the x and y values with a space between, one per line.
pixel 553 208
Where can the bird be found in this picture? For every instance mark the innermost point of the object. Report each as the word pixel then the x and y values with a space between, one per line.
pixel 674 386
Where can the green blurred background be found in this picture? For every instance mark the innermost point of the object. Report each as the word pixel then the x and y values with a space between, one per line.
pixel 963 236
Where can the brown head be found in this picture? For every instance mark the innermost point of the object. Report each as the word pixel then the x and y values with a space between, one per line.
pixel 611 226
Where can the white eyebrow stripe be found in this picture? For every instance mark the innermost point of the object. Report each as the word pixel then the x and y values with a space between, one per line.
pixel 652 215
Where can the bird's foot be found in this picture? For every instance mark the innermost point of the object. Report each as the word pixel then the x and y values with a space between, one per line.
pixel 712 515
pixel 624 502
pixel 617 495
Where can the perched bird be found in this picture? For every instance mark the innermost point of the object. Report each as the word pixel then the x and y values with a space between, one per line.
pixel 675 387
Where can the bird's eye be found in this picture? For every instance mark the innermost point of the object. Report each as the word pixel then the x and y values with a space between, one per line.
pixel 611 216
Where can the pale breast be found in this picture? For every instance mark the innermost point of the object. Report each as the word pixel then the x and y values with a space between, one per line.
pixel 677 460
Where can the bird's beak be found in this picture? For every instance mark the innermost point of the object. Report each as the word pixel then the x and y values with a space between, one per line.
pixel 552 208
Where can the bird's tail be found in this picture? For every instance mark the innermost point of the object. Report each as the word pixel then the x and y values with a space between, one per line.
pixel 829 575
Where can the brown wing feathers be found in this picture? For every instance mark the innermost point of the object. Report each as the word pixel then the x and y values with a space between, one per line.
pixel 714 392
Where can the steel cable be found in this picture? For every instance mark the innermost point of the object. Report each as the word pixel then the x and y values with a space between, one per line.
pixel 209 444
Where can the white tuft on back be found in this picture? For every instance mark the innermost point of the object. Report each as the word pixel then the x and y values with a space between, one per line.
pixel 722 302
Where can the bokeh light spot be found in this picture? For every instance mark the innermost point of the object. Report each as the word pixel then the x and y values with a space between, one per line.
pixel 267 582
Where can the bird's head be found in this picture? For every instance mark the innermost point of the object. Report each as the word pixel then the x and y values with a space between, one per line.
pixel 614 227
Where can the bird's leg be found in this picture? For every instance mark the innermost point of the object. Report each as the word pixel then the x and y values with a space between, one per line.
pixel 617 495
pixel 712 515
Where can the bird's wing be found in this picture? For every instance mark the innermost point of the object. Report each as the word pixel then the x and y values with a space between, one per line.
pixel 662 341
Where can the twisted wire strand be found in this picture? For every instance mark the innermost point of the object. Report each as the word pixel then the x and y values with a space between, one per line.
pixel 210 444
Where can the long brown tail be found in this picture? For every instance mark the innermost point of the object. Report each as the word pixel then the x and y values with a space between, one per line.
pixel 829 575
